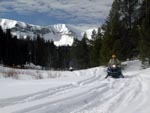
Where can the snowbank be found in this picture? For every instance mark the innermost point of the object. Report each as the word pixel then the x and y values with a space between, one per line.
pixel 43 74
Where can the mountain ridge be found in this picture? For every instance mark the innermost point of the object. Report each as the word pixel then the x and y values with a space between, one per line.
pixel 61 34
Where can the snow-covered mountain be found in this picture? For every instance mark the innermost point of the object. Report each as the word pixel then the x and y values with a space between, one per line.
pixel 61 34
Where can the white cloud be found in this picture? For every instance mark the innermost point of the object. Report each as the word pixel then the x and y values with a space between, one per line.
pixel 73 10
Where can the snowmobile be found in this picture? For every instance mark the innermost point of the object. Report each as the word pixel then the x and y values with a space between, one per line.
pixel 114 71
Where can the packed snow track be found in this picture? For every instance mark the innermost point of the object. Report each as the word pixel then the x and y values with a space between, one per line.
pixel 84 91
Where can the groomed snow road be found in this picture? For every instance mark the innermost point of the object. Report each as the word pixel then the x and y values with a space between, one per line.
pixel 84 91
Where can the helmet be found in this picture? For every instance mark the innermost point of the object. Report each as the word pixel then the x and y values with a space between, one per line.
pixel 113 56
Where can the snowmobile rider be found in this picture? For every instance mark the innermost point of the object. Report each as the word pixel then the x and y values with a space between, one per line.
pixel 114 68
pixel 114 61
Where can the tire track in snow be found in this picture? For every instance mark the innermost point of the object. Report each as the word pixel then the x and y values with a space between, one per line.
pixel 47 93
pixel 71 102
pixel 69 88
pixel 114 97
pixel 142 99
pixel 34 96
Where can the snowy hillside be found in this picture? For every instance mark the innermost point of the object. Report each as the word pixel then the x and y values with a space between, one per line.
pixel 61 34
pixel 84 91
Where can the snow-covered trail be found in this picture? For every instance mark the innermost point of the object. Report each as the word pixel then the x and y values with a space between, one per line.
pixel 83 91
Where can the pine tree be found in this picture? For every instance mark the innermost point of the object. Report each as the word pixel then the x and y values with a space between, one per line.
pixel 1 45
pixel 130 16
pixel 95 47
pixel 113 30
pixel 74 54
pixel 121 30
pixel 83 56
pixel 80 53
pixel 129 11
pixel 51 50
pixel 144 44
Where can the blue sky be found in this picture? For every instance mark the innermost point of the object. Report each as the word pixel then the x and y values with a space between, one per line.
pixel 48 12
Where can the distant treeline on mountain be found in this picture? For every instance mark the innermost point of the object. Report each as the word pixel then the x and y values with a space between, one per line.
pixel 21 51
pixel 126 32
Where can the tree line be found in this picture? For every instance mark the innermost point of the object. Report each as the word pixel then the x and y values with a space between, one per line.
pixel 127 30
pixel 126 33
pixel 18 52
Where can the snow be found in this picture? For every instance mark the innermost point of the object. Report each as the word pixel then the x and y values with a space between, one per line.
pixel 89 32
pixel 7 24
pixel 65 40
pixel 79 91
pixel 61 28
pixel 61 34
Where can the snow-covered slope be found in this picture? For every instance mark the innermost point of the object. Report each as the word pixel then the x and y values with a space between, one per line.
pixel 84 91
pixel 61 34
